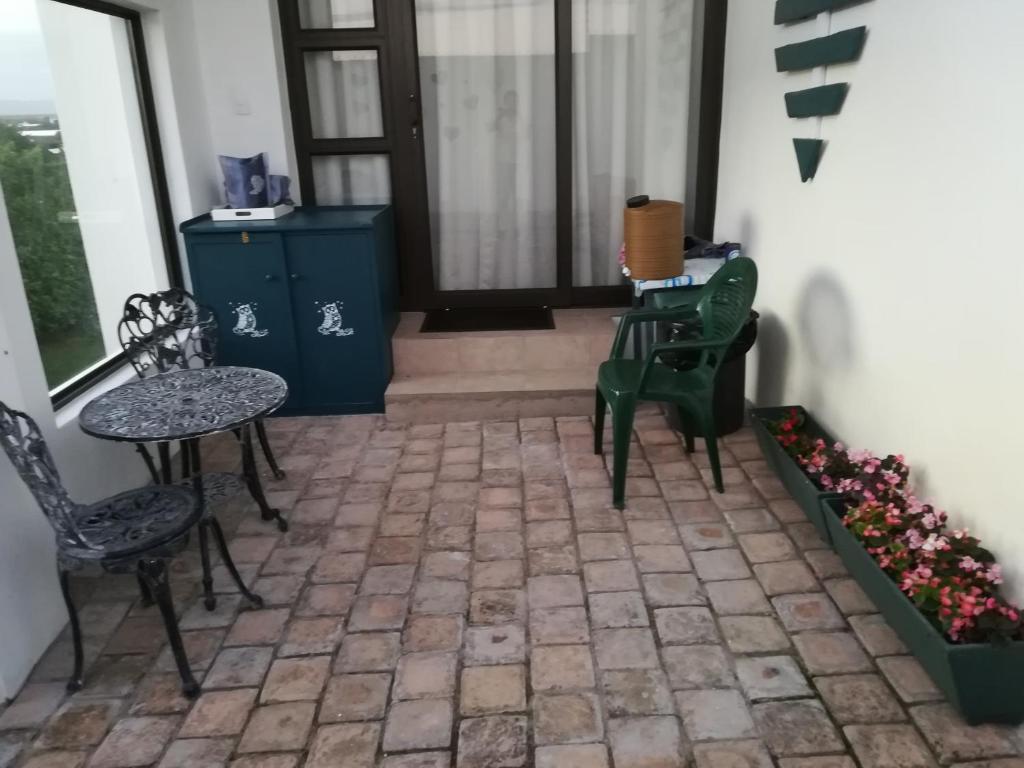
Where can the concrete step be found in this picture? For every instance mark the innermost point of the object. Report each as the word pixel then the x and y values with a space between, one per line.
pixel 499 374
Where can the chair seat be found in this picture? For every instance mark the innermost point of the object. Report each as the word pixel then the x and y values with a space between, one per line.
pixel 622 377
pixel 217 487
pixel 132 523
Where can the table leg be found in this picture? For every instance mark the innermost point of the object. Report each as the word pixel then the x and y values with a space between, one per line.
pixel 192 447
pixel 166 471
pixel 252 479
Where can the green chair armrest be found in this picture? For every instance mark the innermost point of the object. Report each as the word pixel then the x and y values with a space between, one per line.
pixel 675 296
pixel 634 316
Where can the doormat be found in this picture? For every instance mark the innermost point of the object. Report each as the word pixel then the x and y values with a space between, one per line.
pixel 488 319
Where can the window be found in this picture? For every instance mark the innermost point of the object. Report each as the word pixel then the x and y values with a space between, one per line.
pixel 82 179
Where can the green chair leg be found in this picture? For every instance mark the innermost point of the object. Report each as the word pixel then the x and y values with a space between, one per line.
pixel 622 430
pixel 600 406
pixel 711 440
pixel 688 431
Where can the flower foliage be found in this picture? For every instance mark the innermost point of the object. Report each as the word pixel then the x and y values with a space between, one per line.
pixel 949 576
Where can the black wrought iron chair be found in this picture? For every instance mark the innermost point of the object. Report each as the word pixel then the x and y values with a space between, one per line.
pixel 169 331
pixel 137 530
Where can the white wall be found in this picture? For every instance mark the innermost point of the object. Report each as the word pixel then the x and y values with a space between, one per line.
pixel 891 284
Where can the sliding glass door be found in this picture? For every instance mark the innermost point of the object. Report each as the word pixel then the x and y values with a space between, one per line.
pixel 507 133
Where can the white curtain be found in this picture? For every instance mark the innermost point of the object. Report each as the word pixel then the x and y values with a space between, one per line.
pixel 487 76
pixel 631 90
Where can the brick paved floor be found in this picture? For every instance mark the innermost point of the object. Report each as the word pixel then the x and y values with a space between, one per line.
pixel 464 595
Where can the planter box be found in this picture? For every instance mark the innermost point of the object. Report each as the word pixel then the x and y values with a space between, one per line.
pixel 984 681
pixel 804 492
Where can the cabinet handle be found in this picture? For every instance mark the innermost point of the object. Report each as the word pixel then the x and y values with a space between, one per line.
pixel 295 275
pixel 270 278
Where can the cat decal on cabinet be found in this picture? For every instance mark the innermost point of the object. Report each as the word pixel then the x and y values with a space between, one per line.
pixel 331 323
pixel 245 321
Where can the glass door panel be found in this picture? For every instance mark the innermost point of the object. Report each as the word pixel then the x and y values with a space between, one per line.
pixel 336 14
pixel 631 91
pixel 344 94
pixel 352 179
pixel 487 79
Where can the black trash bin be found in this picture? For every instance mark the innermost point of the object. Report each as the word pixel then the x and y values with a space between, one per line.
pixel 729 405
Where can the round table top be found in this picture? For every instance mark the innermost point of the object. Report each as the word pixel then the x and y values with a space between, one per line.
pixel 183 404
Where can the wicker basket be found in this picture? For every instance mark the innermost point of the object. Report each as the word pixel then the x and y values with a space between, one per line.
pixel 654 240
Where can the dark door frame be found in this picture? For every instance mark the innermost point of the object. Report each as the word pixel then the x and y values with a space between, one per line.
pixel 394 39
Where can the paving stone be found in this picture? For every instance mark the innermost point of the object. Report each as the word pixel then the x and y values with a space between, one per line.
pixel 350 540
pixel 458 537
pixel 702 536
pixel 598 519
pixel 636 692
pixel 290 560
pixel 610 576
pixel 504 644
pixel 326 600
pixel 378 612
pixel 78 724
pixel 771 677
pixel 295 679
pixel 499 519
pixel 446 565
pixel 661 558
pixel 848 595
pixel 716 714
pixel 32 706
pixel 618 609
pixel 796 728
pixel 753 634
pixel 953 740
pixel 8 751
pixel 807 611
pixel 551 508
pixel 395 550
pixel 888 746
pixel 493 690
pixel 721 564
pixel 348 744
pixel 419 759
pixel 368 652
pixel 198 753
pixel 493 742
pixel 550 626
pixel 440 597
pixel 825 563
pixel 751 520
pixel 690 512
pixel 238 668
pixel 134 741
pixel 652 532
pixel 561 668
pixel 498 574
pixel 219 713
pixel 907 676
pixel 258 627
pixel 554 591
pixel 767 547
pixel 859 699
pixel 567 718
pixel 497 606
pixel 791 576
pixel 549 561
pixel 278 727
pixel 686 625
pixel 698 666
pixel 433 633
pixel 498 546
pixel 831 653
pixel 739 754
pixel 603 546
pixel 421 724
pixel 572 756
pixel 683 490
pixel 159 694
pixel 305 637
pixel 625 649
pixel 737 597
pixel 672 589
pixel 278 590
pixel 355 697
pixel 387 580
pixel 197 617
pixel 826 761
pixel 646 742
pixel 425 676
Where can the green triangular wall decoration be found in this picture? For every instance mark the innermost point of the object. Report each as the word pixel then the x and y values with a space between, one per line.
pixel 808 153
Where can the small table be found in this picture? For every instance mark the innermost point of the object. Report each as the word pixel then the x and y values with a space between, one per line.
pixel 186 405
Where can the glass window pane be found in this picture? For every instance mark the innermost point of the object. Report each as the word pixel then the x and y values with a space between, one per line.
pixel 487 74
pixel 631 91
pixel 77 186
pixel 344 94
pixel 352 179
pixel 336 14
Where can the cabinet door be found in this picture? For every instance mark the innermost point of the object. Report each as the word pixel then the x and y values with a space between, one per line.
pixel 337 320
pixel 245 283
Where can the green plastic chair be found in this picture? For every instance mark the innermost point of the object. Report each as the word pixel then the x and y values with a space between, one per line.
pixel 723 309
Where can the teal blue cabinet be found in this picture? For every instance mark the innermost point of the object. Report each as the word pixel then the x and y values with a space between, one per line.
pixel 311 296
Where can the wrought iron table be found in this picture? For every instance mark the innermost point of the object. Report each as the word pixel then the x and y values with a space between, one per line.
pixel 187 405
